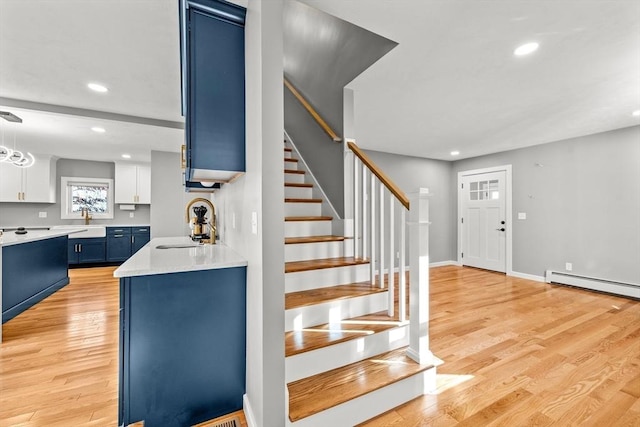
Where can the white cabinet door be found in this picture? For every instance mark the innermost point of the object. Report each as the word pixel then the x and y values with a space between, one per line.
pixel 133 183
pixel 38 181
pixel 35 184
pixel 126 177
pixel 144 184
pixel 10 183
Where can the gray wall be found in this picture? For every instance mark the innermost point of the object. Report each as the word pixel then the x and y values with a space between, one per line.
pixel 26 214
pixel 411 173
pixel 168 198
pixel 582 204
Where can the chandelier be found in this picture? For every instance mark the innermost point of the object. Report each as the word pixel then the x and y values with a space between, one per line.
pixel 12 156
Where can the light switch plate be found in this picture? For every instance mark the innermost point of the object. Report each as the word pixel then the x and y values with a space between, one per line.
pixel 42 214
pixel 522 215
pixel 132 214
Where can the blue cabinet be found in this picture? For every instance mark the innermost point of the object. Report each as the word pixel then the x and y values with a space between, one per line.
pixel 82 251
pixel 122 242
pixel 213 89
pixel 118 243
pixel 31 272
pixel 182 346
pixel 140 236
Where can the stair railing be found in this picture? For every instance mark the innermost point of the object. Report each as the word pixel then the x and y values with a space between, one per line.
pixel 325 127
pixel 371 230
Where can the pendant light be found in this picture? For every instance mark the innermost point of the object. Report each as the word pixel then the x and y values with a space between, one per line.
pixel 15 157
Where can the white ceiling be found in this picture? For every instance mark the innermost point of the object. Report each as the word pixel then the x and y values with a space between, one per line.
pixel 452 83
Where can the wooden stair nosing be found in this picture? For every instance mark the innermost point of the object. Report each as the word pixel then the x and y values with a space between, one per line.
pixel 308 218
pixel 294 171
pixel 293 200
pixel 320 392
pixel 312 338
pixel 319 264
pixel 332 293
pixel 290 159
pixel 312 239
pixel 288 149
pixel 298 184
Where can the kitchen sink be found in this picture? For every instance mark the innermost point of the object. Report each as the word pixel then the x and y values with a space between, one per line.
pixel 88 232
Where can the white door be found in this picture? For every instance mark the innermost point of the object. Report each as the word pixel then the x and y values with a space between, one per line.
pixel 483 221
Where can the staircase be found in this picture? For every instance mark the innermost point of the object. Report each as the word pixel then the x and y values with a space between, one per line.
pixel 345 356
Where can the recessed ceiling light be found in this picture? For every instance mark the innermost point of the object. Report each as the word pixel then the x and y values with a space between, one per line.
pixel 97 87
pixel 455 153
pixel 98 129
pixel 526 49
pixel 126 156
pixel 636 113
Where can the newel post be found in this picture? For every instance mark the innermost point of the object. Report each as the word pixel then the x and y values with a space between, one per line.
pixel 419 277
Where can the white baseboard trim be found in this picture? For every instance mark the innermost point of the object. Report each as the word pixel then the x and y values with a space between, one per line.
pixel 248 412
pixel 593 283
pixel 444 263
pixel 526 276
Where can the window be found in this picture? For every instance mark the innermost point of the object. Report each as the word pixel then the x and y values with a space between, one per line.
pixel 484 190
pixel 93 194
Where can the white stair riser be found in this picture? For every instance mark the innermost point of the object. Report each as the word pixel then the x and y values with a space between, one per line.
pixel 306 228
pixel 334 311
pixel 334 356
pixel 298 192
pixel 372 404
pixel 287 154
pixel 302 209
pixel 322 278
pixel 306 251
pixel 291 165
pixel 294 177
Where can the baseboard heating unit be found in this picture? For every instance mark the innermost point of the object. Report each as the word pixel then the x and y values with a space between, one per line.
pixel 602 285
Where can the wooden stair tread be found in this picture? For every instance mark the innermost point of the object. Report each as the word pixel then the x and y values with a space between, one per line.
pixel 292 200
pixel 290 159
pixel 308 218
pixel 294 171
pixel 312 239
pixel 288 149
pixel 318 264
pixel 330 293
pixel 298 184
pixel 319 392
pixel 320 336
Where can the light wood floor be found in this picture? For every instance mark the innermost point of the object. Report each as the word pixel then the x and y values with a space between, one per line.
pixel 515 352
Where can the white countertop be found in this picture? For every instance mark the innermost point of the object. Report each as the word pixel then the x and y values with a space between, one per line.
pixel 10 238
pixel 150 260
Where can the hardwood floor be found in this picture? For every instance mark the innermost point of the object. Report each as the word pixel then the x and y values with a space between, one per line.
pixel 515 352
pixel 523 353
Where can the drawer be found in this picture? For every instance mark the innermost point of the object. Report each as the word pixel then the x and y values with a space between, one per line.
pixel 118 230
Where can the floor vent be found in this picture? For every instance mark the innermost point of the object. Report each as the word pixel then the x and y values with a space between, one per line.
pixel 233 422
pixel 602 285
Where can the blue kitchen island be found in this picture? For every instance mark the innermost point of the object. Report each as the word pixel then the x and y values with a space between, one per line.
pixel 33 265
pixel 182 333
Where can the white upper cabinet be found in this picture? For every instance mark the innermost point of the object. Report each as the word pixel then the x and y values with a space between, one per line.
pixel 35 184
pixel 133 183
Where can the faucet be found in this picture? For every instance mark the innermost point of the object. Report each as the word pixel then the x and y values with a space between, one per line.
pixel 86 215
pixel 211 223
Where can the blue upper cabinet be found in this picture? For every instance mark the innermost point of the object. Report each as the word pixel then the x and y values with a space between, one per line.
pixel 213 89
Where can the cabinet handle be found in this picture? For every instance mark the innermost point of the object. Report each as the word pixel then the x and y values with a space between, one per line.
pixel 133 239
pixel 183 156
pixel 118 235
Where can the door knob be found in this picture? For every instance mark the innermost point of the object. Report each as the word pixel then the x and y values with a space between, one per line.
pixel 500 229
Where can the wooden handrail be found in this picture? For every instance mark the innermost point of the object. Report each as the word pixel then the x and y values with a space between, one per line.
pixel 391 186
pixel 325 127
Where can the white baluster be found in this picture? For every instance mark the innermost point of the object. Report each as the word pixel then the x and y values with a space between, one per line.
pixel 356 210
pixel 402 281
pixel 365 230
pixel 382 233
pixel 391 257
pixel 372 208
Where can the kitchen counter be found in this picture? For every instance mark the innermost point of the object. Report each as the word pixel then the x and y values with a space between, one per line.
pixel 151 260
pixel 11 238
